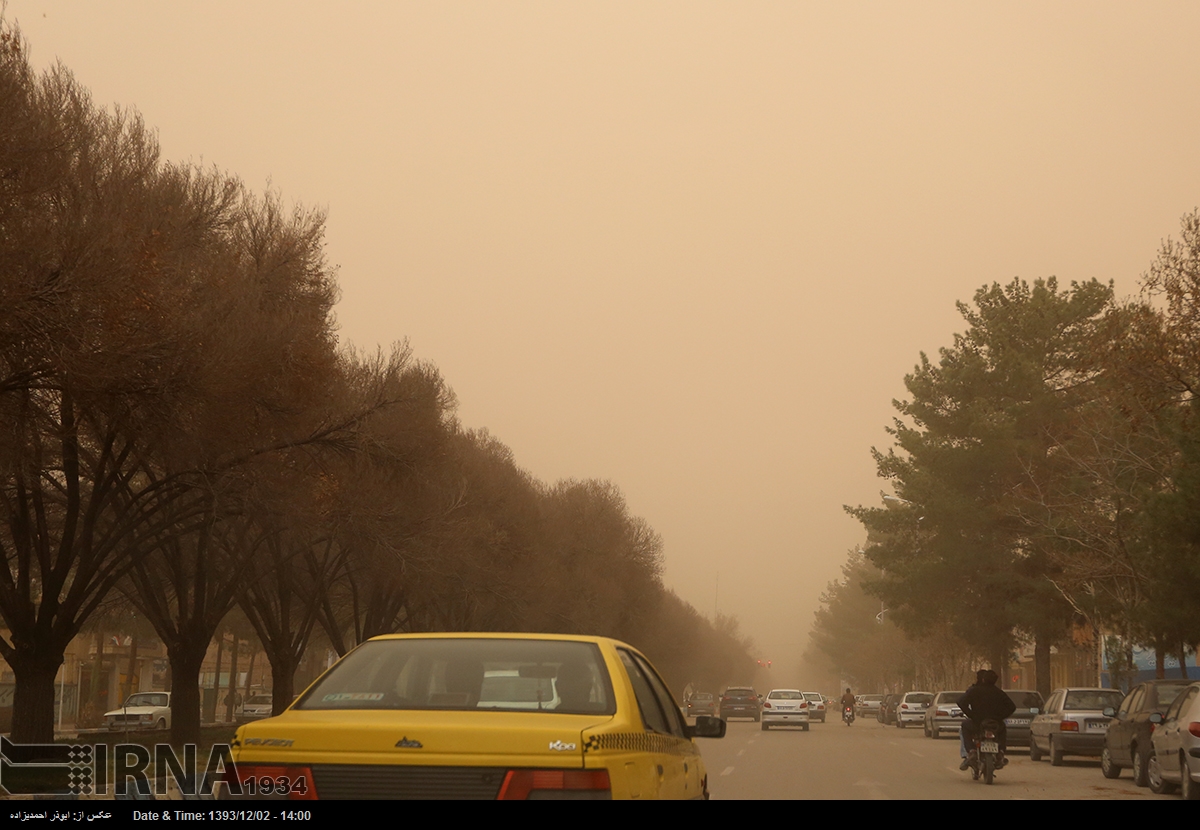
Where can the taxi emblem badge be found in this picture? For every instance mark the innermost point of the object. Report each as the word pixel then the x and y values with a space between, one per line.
pixel 405 743
pixel 559 746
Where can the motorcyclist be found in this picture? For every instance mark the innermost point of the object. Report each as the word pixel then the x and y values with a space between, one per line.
pixel 848 701
pixel 984 701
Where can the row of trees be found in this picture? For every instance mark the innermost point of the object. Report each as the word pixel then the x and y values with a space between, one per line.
pixel 181 427
pixel 1047 470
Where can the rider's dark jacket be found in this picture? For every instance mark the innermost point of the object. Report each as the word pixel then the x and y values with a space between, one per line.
pixel 985 701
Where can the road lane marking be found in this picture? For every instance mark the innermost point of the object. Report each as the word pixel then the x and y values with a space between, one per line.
pixel 741 752
pixel 918 754
pixel 727 770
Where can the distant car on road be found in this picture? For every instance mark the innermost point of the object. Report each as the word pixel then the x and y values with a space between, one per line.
pixel 887 709
pixel 702 703
pixel 143 710
pixel 255 707
pixel 816 706
pixel 785 707
pixel 943 714
pixel 740 702
pixel 868 705
pixel 1073 723
pixel 1017 724
pixel 911 708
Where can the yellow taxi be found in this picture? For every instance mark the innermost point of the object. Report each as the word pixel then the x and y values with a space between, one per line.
pixel 477 716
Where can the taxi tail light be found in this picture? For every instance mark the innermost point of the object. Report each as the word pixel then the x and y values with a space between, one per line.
pixel 299 780
pixel 1194 728
pixel 766 704
pixel 1068 726
pixel 903 705
pixel 519 783
pixel 944 712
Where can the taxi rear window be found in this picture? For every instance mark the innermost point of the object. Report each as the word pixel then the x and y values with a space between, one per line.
pixel 467 674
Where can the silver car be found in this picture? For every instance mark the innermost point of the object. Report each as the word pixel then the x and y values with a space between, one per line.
pixel 943 715
pixel 1073 723
pixel 1175 760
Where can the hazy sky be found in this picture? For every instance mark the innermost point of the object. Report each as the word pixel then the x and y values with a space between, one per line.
pixel 690 247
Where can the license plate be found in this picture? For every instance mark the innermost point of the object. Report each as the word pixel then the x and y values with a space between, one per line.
pixel 1097 727
pixel 1018 721
pixel 989 746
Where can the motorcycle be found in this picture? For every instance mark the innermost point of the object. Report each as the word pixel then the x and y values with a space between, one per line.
pixel 987 758
pixel 848 714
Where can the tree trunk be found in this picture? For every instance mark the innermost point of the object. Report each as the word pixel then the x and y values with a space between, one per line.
pixel 210 712
pixel 1041 666
pixel 231 690
pixel 1160 658
pixel 283 678
pixel 185 661
pixel 250 672
pixel 1183 660
pixel 130 669
pixel 34 670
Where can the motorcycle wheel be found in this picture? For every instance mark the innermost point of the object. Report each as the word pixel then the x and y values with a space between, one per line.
pixel 989 768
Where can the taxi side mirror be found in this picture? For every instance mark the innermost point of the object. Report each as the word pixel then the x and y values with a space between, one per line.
pixel 1155 717
pixel 1033 710
pixel 1109 712
pixel 708 727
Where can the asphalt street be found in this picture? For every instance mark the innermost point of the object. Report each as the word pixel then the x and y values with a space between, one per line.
pixel 870 761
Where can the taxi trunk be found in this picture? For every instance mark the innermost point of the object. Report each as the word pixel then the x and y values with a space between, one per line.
pixel 416 753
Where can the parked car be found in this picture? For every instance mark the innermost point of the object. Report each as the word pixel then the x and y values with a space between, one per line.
pixel 1127 743
pixel 739 702
pixel 786 707
pixel 887 709
pixel 911 707
pixel 143 710
pixel 1017 724
pixel 1175 762
pixel 1073 723
pixel 868 705
pixel 943 714
pixel 702 703
pixel 255 707
pixel 816 706
pixel 406 716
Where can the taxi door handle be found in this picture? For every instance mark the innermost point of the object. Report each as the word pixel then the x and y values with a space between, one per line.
pixel 660 771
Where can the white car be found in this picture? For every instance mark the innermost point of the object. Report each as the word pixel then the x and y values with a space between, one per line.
pixel 785 707
pixel 911 708
pixel 816 706
pixel 144 710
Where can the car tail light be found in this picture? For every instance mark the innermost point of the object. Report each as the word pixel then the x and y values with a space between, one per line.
pixel 766 704
pixel 264 779
pixel 945 712
pixel 903 705
pixel 804 705
pixel 519 784
pixel 1194 728
pixel 1068 726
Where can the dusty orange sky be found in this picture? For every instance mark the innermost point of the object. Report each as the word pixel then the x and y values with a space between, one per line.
pixel 691 247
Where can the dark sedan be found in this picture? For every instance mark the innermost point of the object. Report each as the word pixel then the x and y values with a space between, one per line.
pixel 740 702
pixel 1127 743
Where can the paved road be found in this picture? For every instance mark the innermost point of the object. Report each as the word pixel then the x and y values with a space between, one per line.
pixel 871 761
